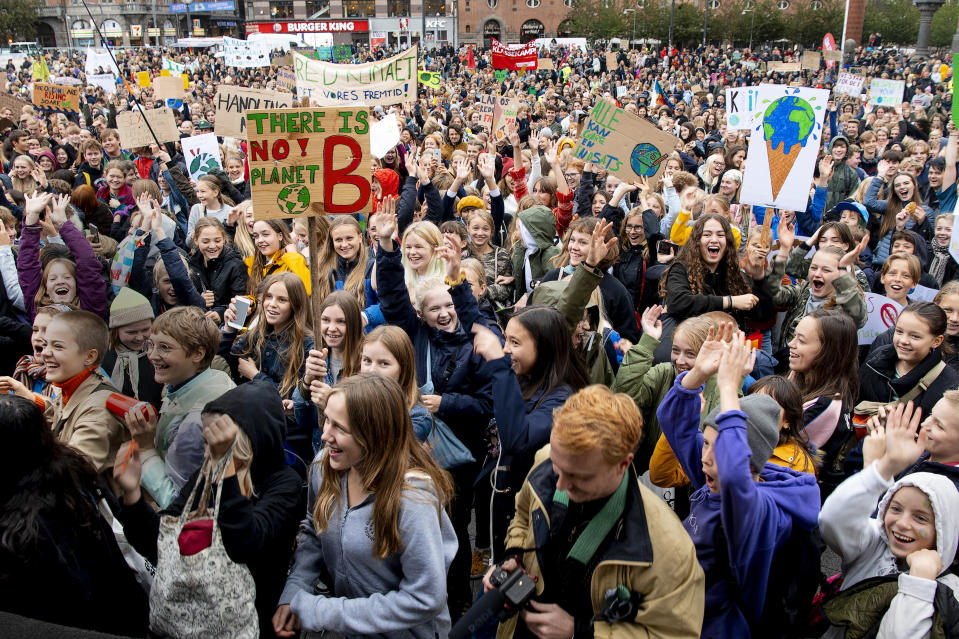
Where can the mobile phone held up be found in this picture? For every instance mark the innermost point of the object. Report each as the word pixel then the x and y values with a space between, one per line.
pixel 242 304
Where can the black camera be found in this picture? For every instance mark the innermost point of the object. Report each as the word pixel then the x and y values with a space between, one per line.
pixel 511 592
pixel 517 587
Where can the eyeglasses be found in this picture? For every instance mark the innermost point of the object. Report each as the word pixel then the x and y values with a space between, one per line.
pixel 634 227
pixel 572 175
pixel 161 348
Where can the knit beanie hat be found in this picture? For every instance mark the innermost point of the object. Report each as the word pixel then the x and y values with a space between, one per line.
pixel 129 307
pixel 762 426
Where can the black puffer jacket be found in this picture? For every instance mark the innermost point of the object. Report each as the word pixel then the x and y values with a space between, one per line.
pixel 878 381
pixel 257 531
pixel 226 276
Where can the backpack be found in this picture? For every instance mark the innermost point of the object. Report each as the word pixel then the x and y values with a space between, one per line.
pixel 794 579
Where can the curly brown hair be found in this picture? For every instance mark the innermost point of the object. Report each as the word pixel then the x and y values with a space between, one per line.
pixel 691 256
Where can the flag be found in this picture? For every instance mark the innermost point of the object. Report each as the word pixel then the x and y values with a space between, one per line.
pixel 660 95
pixel 175 68
pixel 40 70
pixel 430 79
pixel 470 60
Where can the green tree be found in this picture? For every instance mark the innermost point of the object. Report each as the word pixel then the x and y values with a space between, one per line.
pixel 896 20
pixel 944 25
pixel 599 19
pixel 18 19
pixel 808 24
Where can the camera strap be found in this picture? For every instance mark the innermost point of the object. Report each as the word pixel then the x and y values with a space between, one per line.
pixel 590 539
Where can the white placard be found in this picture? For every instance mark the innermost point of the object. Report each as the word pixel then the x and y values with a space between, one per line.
pixel 881 315
pixel 106 81
pixel 245 54
pixel 849 84
pixel 384 135
pixel 783 147
pixel 174 67
pixel 886 92
pixel 202 154
pixel 97 58
pixel 954 243
pixel 922 293
pixel 742 105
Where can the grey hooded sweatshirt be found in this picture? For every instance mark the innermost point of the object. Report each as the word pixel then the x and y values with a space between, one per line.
pixel 403 595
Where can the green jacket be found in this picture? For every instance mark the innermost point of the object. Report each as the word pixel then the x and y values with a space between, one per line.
pixel 571 297
pixel 794 296
pixel 540 223
pixel 648 385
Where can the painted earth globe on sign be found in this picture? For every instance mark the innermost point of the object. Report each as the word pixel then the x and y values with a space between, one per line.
pixel 293 200
pixel 644 160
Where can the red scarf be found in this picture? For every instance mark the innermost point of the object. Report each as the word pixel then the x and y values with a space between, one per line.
pixel 70 386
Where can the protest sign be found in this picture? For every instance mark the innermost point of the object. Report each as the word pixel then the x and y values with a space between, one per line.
pixel 285 78
pixel 886 92
pixel 881 315
pixel 232 102
pixel 55 97
pixel 627 145
pixel 431 79
pixel 849 84
pixel 504 116
pixel 99 60
pixel 829 50
pixel 621 91
pixel 245 54
pixel 545 64
pixel 742 104
pixel 170 88
pixel 832 56
pixel 514 57
pixel 954 243
pixel 922 293
pixel 611 61
pixel 784 67
pixel 384 136
pixel 105 81
pixel 386 82
pixel 309 161
pixel 285 60
pixel 782 150
pixel 202 154
pixel 342 53
pixel 134 132
pixel 485 106
pixel 143 79
pixel 811 60
pixel 172 67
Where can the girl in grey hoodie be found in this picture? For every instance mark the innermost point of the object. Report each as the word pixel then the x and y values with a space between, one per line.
pixel 376 534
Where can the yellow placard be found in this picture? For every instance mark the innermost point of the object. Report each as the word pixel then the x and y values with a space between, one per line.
pixel 143 78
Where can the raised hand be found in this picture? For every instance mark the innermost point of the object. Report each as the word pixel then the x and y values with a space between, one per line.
pixel 35 204
pixel 852 257
pixel 736 359
pixel 903 446
pixel 650 322
pixel 219 433
pixel 787 236
pixel 127 470
pixel 707 361
pixel 486 344
pixel 386 223
pixel 598 246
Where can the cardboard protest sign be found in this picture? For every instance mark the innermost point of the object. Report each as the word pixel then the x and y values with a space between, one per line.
pixel 742 103
pixel 783 147
pixel 105 81
pixel 515 57
pixel 134 132
pixel 881 315
pixel 504 115
pixel 611 61
pixel 784 67
pixel 385 82
pixel 849 84
pixel 309 161
pixel 285 78
pixel 56 97
pixel 285 60
pixel 15 104
pixel 811 60
pixel 832 56
pixel 627 145
pixel 232 102
pixel 169 88
pixel 202 154
pixel 545 64
pixel 485 106
pixel 886 92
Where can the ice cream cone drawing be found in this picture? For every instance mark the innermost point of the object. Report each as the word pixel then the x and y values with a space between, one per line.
pixel 787 124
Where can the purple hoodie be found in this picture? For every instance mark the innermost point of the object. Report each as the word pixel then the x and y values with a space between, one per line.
pixel 756 517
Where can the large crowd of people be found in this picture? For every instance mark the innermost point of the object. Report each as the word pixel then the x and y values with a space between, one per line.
pixel 520 397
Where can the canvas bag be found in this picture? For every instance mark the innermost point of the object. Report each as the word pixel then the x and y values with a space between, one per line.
pixel 206 594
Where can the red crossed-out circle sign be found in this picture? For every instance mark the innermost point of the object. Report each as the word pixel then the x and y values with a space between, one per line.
pixel 889 315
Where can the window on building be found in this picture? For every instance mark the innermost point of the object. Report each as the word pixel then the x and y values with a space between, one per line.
pixel 358 8
pixel 281 8
pixel 435 7
pixel 468 29
pixel 492 3
pixel 398 7
pixel 317 8
pixel 783 4
pixel 815 5
pixel 713 4
pixel 532 4
pixel 569 3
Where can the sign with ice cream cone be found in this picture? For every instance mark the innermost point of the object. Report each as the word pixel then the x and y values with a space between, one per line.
pixel 783 147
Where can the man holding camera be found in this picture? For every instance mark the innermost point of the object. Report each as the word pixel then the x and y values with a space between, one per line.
pixel 607 555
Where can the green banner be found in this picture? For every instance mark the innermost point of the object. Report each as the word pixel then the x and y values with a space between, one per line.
pixel 500 75
pixel 342 53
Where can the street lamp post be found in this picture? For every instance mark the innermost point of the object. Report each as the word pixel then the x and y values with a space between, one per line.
pixel 752 22
pixel 672 20
pixel 633 36
pixel 705 21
